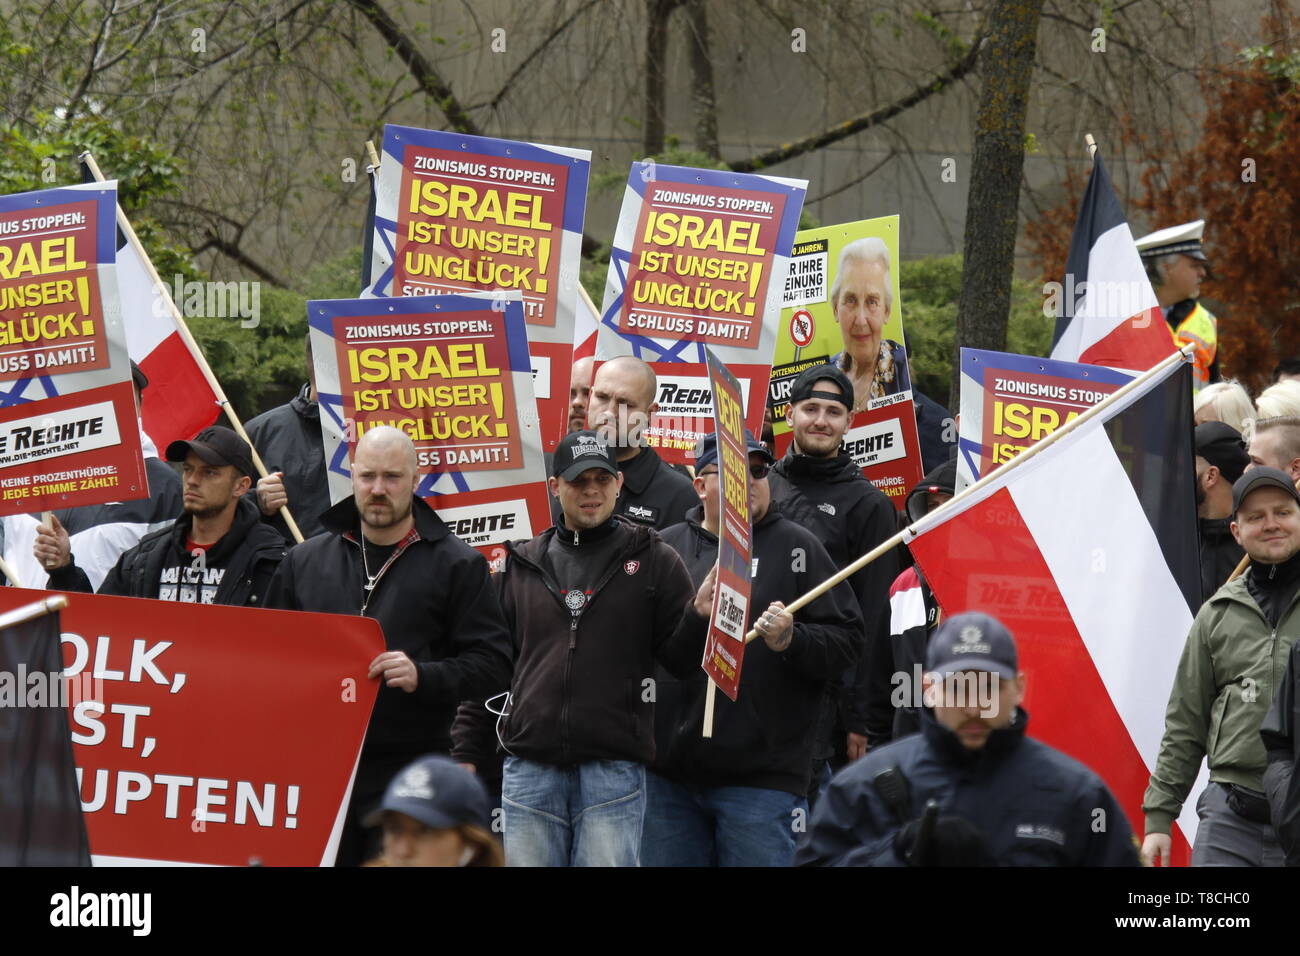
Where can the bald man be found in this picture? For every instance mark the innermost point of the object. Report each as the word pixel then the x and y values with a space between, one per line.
pixel 621 405
pixel 387 555
pixel 579 394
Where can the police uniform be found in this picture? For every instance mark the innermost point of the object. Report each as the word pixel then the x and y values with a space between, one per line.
pixel 1190 323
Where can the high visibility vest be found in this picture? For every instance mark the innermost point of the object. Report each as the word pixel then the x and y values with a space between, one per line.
pixel 1200 329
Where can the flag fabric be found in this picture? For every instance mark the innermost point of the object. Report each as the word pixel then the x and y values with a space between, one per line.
pixel 1107 312
pixel 1087 551
pixel 179 402
pixel 585 326
pixel 40 803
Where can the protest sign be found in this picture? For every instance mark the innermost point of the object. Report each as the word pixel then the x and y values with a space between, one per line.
pixel 842 306
pixel 697 263
pixel 457 213
pixel 1009 402
pixel 210 734
pixel 68 429
pixel 451 371
pixel 724 648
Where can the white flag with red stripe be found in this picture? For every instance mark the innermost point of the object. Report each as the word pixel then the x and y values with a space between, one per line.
pixel 1107 312
pixel 179 401
pixel 1087 551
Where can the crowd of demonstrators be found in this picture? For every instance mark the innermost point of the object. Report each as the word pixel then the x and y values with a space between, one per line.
pixel 971 788
pixel 289 441
pixel 387 555
pixel 733 799
pixel 98 534
pixel 1224 685
pixel 591 605
pixel 818 486
pixel 216 552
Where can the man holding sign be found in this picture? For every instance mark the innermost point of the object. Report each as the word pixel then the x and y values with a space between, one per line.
pixel 736 798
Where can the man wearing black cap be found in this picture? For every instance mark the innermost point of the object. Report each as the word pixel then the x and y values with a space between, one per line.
pixel 1223 687
pixel 592 603
pixel 971 788
pixel 99 534
pixel 388 555
pixel 217 552
pixel 818 486
pixel 732 799
pixel 1220 460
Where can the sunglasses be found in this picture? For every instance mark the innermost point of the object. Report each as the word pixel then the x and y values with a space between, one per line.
pixel 759 471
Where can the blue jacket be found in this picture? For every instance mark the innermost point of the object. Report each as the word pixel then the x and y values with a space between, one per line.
pixel 1034 805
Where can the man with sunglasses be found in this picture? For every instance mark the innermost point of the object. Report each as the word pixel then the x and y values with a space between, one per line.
pixel 817 485
pixel 736 798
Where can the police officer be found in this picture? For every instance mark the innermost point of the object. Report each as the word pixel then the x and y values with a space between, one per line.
pixel 1176 264
pixel 971 788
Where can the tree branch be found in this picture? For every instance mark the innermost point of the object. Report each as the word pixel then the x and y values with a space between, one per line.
pixel 865 121
pixel 423 71
pixel 232 251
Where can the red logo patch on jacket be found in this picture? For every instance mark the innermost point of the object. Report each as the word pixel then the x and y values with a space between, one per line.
pixel 631 566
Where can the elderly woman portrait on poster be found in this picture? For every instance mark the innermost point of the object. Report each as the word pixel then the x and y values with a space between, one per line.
pixel 862 301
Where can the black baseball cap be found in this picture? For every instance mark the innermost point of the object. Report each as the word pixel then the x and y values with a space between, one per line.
pixel 1220 444
pixel 1261 477
pixel 217 445
pixel 803 386
pixel 438 792
pixel 942 478
pixel 138 377
pixel 706 450
pixel 578 451
pixel 972 642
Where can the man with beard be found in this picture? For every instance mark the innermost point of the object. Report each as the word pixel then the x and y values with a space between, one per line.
pixel 818 486
pixel 387 555
pixel 579 393
pixel 217 552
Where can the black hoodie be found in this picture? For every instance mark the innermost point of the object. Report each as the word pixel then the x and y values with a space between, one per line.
pixel 766 738
pixel 236 570
pixel 833 499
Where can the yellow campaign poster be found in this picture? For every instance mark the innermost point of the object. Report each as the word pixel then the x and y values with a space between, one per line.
pixel 841 306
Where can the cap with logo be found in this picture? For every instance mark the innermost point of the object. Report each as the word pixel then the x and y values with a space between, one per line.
pixel 217 445
pixel 972 642
pixel 804 386
pixel 1262 477
pixel 706 451
pixel 1184 239
pixel 1220 444
pixel 578 451
pixel 438 792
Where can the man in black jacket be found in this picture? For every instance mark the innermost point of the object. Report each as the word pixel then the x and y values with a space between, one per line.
pixel 999 798
pixel 1281 735
pixel 592 604
pixel 289 440
pixel 217 552
pixel 737 798
pixel 389 556
pixel 1220 460
pixel 818 486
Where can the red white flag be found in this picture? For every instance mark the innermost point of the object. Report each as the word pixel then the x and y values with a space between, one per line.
pixel 1087 552
pixel 1107 313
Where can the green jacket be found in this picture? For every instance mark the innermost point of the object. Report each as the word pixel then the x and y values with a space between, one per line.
pixel 1230 667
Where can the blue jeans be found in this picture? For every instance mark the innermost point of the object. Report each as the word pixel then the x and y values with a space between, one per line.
pixel 686 825
pixel 586 815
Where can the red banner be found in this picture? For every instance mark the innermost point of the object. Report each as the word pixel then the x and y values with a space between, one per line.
pixel 219 735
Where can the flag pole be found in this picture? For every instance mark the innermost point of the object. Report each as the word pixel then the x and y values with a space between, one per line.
pixel 1091 144
pixel 125 225
pixel 29 612
pixel 1182 355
